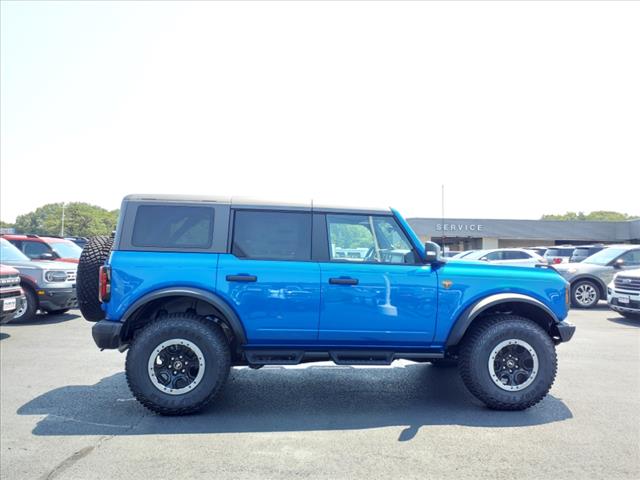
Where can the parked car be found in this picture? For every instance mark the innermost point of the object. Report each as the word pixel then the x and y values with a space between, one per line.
pixel 623 294
pixel 508 256
pixel 539 250
pixel 80 241
pixel 463 254
pixel 46 248
pixel 590 277
pixel 193 285
pixel 49 286
pixel 583 252
pixel 556 255
pixel 11 296
pixel 450 253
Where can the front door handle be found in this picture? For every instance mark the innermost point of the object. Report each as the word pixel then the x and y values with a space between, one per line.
pixel 242 277
pixel 343 281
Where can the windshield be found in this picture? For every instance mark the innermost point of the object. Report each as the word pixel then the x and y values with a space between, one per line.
pixel 66 249
pixel 9 253
pixel 603 257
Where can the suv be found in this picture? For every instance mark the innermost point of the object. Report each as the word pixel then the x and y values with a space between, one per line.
pixel 623 294
pixel 584 251
pixel 194 285
pixel 590 277
pixel 11 296
pixel 47 285
pixel 46 248
pixel 556 255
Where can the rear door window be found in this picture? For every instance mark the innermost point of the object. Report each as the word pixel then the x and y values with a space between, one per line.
pixel 173 227
pixel 268 235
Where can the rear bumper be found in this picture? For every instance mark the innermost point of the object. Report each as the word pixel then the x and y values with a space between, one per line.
pixel 57 298
pixel 563 331
pixel 106 334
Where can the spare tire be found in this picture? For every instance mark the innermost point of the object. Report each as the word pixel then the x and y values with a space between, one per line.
pixel 94 255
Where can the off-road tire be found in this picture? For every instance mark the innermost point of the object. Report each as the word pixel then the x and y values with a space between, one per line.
pixel 206 335
pixel 574 287
pixel 477 347
pixel 32 307
pixel 94 255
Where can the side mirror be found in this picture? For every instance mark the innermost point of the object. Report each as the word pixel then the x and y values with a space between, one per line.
pixel 47 256
pixel 618 264
pixel 432 253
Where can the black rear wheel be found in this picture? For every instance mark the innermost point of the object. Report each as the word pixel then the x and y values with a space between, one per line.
pixel 508 362
pixel 94 255
pixel 178 364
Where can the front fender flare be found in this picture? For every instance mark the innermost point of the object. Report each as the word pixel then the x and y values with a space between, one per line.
pixel 473 311
pixel 208 297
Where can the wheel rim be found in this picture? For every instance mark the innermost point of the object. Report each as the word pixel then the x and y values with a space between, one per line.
pixel 513 365
pixel 176 366
pixel 21 311
pixel 585 294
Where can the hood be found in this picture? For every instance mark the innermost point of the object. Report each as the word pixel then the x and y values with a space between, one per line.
pixel 42 265
pixel 630 273
pixel 7 270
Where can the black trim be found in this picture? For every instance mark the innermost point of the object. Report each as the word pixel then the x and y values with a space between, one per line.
pixel 241 278
pixel 197 293
pixel 257 357
pixel 473 311
pixel 106 334
pixel 564 330
pixel 319 243
pixel 343 281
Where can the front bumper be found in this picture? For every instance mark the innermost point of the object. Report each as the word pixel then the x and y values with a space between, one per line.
pixel 7 315
pixel 106 334
pixel 563 331
pixel 57 298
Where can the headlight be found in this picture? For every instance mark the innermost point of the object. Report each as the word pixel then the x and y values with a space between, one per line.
pixel 55 276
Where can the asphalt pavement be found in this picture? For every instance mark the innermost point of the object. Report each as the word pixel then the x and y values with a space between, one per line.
pixel 66 413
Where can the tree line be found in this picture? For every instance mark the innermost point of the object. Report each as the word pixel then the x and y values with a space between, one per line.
pixel 80 220
pixel 598 216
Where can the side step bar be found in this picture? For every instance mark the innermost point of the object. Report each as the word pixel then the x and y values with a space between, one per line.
pixel 339 357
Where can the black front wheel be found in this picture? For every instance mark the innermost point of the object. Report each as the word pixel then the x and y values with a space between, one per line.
pixel 178 364
pixel 27 311
pixel 508 362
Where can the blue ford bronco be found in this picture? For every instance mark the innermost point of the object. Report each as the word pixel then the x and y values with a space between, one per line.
pixel 191 285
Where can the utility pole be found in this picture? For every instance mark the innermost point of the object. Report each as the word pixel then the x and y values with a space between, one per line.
pixel 62 223
pixel 442 203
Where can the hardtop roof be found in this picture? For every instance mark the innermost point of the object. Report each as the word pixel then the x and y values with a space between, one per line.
pixel 247 202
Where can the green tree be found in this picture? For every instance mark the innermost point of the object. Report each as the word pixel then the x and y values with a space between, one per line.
pixel 598 215
pixel 4 224
pixel 80 219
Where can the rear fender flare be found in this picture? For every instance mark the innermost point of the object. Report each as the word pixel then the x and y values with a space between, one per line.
pixel 199 294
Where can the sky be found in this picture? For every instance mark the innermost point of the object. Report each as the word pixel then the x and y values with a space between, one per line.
pixel 518 108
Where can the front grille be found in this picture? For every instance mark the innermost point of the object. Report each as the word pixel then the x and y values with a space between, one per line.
pixel 627 283
pixel 9 281
pixel 71 276
pixel 10 293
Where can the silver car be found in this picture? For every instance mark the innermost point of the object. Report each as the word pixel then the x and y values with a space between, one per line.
pixel 590 277
pixel 507 256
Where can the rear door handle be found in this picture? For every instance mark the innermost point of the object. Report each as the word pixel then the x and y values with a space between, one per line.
pixel 343 281
pixel 241 278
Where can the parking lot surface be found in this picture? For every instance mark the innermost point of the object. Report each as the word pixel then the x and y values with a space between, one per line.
pixel 66 412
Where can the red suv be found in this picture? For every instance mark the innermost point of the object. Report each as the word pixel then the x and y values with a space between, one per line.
pixel 46 248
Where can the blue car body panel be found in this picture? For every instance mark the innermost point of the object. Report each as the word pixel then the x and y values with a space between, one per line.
pixel 135 274
pixel 281 307
pixel 293 303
